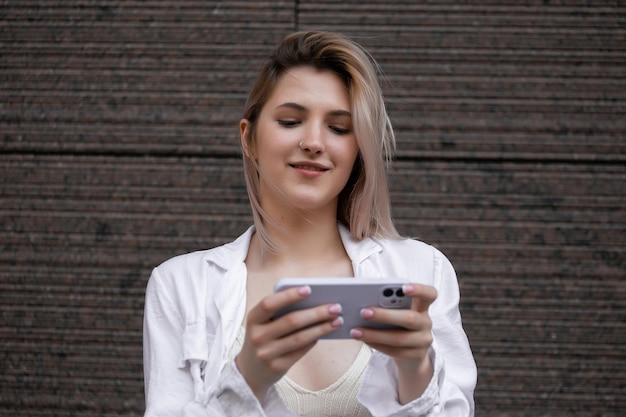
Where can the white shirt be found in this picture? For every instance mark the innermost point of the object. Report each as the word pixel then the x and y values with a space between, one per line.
pixel 195 305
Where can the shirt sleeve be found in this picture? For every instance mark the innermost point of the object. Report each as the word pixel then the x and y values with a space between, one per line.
pixel 451 389
pixel 169 385
pixel 233 397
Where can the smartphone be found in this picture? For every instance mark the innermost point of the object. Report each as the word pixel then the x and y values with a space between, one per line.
pixel 353 294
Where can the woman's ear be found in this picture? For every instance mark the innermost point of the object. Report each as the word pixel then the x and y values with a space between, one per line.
pixel 245 130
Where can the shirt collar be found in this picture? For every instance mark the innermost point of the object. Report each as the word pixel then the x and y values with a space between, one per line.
pixel 357 250
pixel 233 253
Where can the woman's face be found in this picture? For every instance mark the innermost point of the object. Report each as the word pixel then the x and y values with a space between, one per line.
pixel 305 145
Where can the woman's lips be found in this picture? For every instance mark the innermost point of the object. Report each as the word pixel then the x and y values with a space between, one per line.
pixel 309 170
pixel 309 167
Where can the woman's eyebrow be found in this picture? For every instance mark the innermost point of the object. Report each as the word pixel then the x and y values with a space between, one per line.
pixel 290 105
pixel 300 108
pixel 340 113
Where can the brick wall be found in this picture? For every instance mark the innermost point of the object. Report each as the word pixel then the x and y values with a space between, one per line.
pixel 119 150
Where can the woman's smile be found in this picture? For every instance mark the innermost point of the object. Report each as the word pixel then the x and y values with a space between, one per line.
pixel 309 169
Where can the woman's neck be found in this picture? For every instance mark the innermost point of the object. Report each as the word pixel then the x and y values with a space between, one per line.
pixel 304 243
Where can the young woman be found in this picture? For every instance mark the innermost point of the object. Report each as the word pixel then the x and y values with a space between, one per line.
pixel 316 139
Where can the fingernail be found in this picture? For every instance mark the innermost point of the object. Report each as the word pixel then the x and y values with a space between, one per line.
pixel 408 289
pixel 367 313
pixel 304 290
pixel 337 322
pixel 334 309
pixel 357 334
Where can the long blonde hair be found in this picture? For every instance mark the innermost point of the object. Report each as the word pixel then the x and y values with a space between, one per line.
pixel 364 203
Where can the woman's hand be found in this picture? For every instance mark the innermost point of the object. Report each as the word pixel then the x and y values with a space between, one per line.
pixel 408 348
pixel 271 347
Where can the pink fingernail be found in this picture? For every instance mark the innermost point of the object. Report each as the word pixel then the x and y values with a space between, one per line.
pixel 334 309
pixel 304 290
pixel 367 313
pixel 408 289
pixel 357 334
pixel 337 322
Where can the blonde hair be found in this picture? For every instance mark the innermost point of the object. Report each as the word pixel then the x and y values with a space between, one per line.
pixel 364 203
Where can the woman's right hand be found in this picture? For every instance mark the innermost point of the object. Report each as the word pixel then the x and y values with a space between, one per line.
pixel 271 347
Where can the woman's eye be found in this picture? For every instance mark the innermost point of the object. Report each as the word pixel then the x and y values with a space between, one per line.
pixel 288 123
pixel 339 130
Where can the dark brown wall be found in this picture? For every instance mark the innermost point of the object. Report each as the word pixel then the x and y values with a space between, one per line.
pixel 119 149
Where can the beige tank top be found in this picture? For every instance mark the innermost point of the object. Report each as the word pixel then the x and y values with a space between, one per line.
pixel 338 399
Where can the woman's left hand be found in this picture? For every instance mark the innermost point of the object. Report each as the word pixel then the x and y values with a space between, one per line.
pixel 408 346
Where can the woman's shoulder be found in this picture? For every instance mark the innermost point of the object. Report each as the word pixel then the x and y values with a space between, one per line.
pixel 408 245
pixel 184 262
pixel 408 255
pixel 196 263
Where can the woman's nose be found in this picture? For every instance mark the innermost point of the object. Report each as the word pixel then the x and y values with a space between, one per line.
pixel 310 146
pixel 313 142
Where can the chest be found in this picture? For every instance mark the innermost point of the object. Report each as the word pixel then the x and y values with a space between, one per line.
pixel 325 364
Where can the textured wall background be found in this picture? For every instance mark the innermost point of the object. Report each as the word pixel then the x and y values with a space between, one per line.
pixel 119 149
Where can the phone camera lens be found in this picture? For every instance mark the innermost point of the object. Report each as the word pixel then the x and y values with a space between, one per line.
pixel 387 292
pixel 400 293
